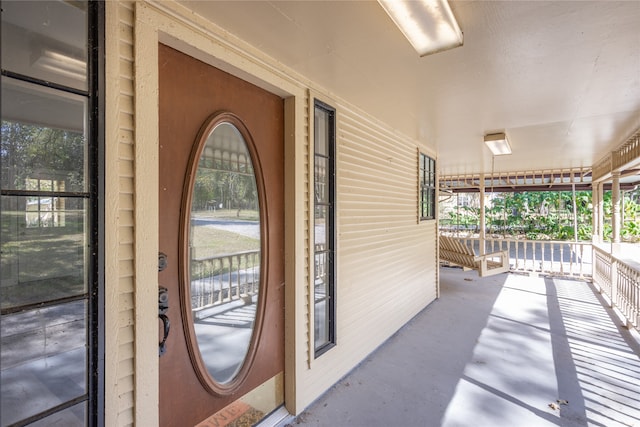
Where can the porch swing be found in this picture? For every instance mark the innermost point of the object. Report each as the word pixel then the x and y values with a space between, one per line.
pixel 459 253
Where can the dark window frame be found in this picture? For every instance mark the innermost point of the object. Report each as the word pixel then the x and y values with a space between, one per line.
pixel 427 187
pixel 330 247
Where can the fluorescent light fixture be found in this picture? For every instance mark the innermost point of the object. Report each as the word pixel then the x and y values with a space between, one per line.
pixel 62 64
pixel 498 144
pixel 429 25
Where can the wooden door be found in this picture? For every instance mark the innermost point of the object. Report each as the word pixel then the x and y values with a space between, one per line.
pixel 193 95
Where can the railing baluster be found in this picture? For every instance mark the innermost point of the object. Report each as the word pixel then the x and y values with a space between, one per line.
pixel 533 255
pixel 570 249
pixel 224 278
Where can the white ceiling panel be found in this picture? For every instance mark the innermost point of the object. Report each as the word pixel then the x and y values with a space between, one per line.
pixel 562 78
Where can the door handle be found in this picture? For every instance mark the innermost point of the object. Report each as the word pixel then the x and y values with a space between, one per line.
pixel 163 307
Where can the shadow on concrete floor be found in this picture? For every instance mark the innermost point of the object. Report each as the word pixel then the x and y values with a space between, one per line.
pixel 507 350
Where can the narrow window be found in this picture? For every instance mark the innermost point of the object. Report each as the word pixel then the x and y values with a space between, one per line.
pixel 427 187
pixel 324 226
pixel 51 281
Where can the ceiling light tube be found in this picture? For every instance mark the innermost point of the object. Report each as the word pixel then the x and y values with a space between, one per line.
pixel 429 25
pixel 498 144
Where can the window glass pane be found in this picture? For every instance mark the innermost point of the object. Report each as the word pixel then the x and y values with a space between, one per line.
pixel 321 137
pixel 425 203
pixel 321 288
pixel 43 249
pixel 321 315
pixel 432 172
pixel 321 228
pixel 46 40
pixel 321 187
pixel 427 187
pixel 320 278
pixel 43 144
pixel 43 359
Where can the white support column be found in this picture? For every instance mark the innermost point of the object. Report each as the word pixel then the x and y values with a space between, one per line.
pixel 575 209
pixel 483 222
pixel 615 208
pixel 600 209
pixel 595 212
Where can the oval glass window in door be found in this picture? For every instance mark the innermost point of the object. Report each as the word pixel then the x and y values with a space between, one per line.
pixel 223 251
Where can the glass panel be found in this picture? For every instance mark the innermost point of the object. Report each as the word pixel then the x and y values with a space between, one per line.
pixel 321 228
pixel 225 254
pixel 321 323
pixel 44 249
pixel 321 275
pixel 321 184
pixel 321 137
pixel 321 287
pixel 43 144
pixel 43 359
pixel 426 209
pixel 432 172
pixel 46 40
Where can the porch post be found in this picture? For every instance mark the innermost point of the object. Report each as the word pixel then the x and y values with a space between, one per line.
pixel 599 209
pixel 575 209
pixel 615 208
pixel 482 217
pixel 595 205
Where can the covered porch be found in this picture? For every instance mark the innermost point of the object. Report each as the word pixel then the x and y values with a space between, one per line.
pixel 506 350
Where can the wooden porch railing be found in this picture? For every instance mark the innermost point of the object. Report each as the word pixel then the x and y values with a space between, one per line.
pixel 222 279
pixel 541 256
pixel 620 282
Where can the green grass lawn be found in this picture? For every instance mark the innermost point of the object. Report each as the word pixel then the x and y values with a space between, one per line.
pixel 41 263
pixel 209 242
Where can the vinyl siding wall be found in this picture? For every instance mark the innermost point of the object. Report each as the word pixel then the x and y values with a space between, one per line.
pixel 386 258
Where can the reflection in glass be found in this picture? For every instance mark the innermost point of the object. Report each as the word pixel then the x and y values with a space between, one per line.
pixel 43 361
pixel 43 144
pixel 46 40
pixel 322 131
pixel 46 220
pixel 43 252
pixel 321 187
pixel 321 313
pixel 224 247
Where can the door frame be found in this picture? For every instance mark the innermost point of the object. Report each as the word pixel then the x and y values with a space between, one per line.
pixel 161 23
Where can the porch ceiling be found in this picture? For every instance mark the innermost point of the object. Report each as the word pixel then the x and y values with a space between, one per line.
pixel 561 77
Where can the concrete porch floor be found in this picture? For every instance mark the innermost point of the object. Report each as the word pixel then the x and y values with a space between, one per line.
pixel 508 350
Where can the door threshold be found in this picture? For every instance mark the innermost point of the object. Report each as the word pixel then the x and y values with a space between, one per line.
pixel 277 418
